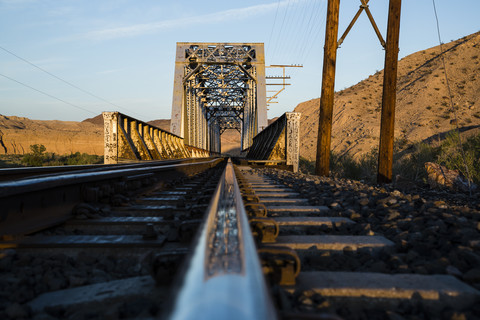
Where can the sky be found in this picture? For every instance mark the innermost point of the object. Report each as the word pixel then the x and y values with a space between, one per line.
pixel 73 59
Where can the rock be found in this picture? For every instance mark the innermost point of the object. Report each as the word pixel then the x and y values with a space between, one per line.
pixel 472 275
pixel 379 266
pixel 54 281
pixel 474 244
pixel 394 316
pixel 396 193
pixel 411 255
pixel 453 271
pixel 440 204
pixel 335 206
pixel 84 209
pixel 393 215
pixel 16 311
pixel 365 202
pixel 439 177
pixel 76 280
pixel 85 258
pixel 355 215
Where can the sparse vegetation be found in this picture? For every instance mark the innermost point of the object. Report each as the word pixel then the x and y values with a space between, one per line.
pixel 409 160
pixel 39 157
pixel 36 157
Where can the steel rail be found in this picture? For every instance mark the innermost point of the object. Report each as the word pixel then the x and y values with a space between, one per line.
pixel 32 204
pixel 7 174
pixel 224 279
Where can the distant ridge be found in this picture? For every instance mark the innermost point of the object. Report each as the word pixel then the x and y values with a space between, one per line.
pixel 97 120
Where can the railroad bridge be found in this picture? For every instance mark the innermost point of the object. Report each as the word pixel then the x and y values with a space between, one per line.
pixel 217 87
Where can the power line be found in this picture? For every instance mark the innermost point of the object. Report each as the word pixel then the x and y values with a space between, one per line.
pixel 447 83
pixel 273 26
pixel 65 81
pixel 47 94
pixel 281 28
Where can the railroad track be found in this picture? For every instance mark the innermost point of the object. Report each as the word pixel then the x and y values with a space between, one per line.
pixel 370 253
pixel 119 255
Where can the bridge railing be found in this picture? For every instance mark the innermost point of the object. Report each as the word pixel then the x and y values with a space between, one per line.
pixel 128 139
pixel 278 143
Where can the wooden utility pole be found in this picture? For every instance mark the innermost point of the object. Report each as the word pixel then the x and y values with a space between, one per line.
pixel 328 90
pixel 385 155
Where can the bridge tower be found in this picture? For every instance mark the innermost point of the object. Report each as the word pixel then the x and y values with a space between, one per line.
pixel 218 86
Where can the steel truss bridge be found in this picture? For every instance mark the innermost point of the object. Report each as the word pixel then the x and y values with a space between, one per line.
pixel 217 86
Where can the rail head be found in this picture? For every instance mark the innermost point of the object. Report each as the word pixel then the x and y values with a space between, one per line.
pixel 224 278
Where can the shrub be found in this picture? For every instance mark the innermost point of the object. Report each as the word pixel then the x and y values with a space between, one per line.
pixel 461 157
pixel 36 157
pixel 306 166
pixel 410 165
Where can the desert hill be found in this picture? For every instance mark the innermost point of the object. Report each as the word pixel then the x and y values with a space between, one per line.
pixel 60 137
pixel 423 103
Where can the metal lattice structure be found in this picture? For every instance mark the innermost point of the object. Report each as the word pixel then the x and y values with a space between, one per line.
pixel 218 86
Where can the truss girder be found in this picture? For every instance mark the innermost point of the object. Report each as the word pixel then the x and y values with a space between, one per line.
pixel 218 86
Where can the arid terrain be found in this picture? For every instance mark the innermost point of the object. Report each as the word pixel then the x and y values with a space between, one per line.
pixel 423 110
pixel 60 137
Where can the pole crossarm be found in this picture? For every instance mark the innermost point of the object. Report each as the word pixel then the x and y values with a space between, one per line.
pixel 363 6
pixel 283 78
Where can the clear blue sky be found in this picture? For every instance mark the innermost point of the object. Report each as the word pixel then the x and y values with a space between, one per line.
pixel 123 51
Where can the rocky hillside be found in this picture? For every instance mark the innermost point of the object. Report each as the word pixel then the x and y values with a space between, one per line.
pixel 60 137
pixel 423 104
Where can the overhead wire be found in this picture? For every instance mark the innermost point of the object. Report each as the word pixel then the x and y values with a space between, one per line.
pixel 280 32
pixel 452 105
pixel 296 29
pixel 311 35
pixel 317 33
pixel 292 18
pixel 48 94
pixel 300 24
pixel 309 25
pixel 67 82
pixel 273 26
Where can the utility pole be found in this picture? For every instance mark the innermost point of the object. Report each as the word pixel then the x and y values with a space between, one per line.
pixel 385 155
pixel 328 90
